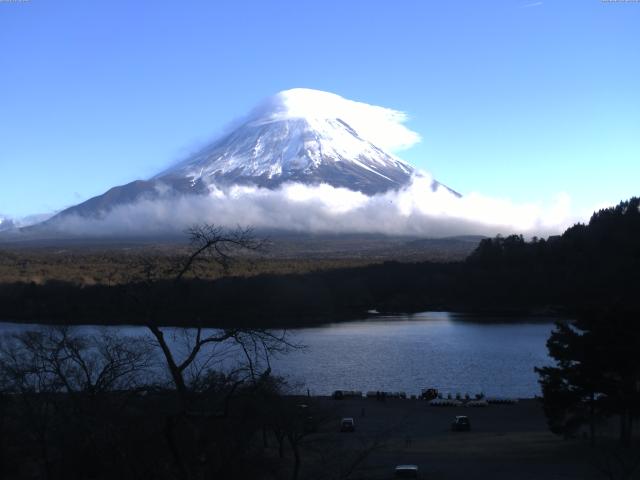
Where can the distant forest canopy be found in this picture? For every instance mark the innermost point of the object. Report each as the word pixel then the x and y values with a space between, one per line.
pixel 593 265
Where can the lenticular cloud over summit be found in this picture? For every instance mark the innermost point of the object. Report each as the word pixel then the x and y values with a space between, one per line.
pixel 306 161
pixel 380 125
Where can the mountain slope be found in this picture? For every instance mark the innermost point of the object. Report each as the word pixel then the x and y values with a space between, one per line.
pixel 269 153
pixel 298 135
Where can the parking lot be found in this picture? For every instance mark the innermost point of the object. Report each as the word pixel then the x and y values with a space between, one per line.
pixel 505 441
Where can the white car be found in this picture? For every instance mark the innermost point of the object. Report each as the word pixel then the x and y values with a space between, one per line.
pixel 406 471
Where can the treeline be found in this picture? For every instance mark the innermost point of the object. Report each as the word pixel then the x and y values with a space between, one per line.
pixel 273 300
pixel 591 264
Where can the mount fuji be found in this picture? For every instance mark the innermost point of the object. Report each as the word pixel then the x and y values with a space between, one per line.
pixel 300 135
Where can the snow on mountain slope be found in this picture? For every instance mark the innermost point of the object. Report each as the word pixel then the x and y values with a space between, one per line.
pixel 298 135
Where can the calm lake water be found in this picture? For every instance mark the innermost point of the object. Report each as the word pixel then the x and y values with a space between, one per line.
pixel 411 352
pixel 451 352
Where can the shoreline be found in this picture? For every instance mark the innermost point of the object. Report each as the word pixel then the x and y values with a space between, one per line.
pixel 473 315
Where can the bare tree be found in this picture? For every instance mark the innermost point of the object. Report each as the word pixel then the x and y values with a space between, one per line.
pixel 211 243
pixel 61 360
pixel 23 375
pixel 79 397
pixel 66 381
pixel 215 243
pixel 193 360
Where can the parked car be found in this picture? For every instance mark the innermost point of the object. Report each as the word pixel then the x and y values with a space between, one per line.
pixel 461 424
pixel 406 471
pixel 347 425
pixel 429 393
pixel 340 394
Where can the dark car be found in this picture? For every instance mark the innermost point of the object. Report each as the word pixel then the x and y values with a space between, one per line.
pixel 429 393
pixel 347 425
pixel 461 424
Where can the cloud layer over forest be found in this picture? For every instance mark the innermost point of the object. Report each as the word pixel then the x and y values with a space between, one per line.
pixel 414 210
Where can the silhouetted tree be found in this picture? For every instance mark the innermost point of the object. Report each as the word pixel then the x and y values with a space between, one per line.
pixel 214 243
pixel 65 387
pixel 597 372
pixel 191 361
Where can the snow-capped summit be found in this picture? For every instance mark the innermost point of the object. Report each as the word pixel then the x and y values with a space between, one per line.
pixel 299 135
pixel 383 126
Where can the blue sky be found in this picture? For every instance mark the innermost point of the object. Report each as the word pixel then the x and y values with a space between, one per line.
pixel 514 99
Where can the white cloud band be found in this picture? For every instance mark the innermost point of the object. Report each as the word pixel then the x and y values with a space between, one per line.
pixel 414 210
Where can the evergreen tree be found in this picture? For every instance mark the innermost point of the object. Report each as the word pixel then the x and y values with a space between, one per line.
pixel 597 372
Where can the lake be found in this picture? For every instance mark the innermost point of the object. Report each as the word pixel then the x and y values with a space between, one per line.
pixel 451 352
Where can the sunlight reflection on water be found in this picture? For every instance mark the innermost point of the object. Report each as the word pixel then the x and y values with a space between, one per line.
pixel 408 353
pixel 451 352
